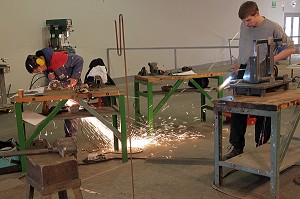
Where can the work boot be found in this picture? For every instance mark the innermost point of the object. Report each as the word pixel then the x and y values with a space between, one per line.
pixel 235 151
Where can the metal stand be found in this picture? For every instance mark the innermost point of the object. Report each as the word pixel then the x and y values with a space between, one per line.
pixel 51 173
pixel 269 159
pixel 61 96
pixel 149 80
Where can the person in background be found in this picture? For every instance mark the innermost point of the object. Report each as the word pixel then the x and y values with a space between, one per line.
pixel 254 27
pixel 59 66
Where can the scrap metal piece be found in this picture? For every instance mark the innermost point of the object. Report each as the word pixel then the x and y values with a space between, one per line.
pixel 66 147
pixel 83 88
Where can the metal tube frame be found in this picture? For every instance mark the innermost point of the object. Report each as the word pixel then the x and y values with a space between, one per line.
pixel 24 143
pixel 277 150
pixel 152 111
pixel 174 49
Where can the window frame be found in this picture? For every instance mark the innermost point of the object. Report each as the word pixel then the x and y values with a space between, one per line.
pixel 292 15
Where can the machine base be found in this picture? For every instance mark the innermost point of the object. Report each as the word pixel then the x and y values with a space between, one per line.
pixel 259 89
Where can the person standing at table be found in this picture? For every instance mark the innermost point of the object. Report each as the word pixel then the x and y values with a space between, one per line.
pixel 254 27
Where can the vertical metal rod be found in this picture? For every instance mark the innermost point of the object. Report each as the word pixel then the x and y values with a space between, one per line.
pixel 121 45
pixel 175 58
pixel 230 53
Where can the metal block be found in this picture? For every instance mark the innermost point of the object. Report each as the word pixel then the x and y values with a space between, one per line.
pixel 51 169
pixel 258 89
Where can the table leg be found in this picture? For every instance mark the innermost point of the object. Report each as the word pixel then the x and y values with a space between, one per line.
pixel 218 147
pixel 137 101
pixel 203 95
pixel 42 125
pixel 123 128
pixel 202 107
pixel 21 133
pixel 115 124
pixel 150 107
pixel 275 155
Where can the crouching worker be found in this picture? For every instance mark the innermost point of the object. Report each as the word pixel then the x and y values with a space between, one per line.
pixel 58 66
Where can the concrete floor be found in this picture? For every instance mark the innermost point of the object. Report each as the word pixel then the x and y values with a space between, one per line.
pixel 178 162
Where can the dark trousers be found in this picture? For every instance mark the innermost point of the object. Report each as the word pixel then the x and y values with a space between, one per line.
pixel 238 126
pixel 71 127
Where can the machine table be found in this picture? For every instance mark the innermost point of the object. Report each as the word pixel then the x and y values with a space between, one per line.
pixel 270 159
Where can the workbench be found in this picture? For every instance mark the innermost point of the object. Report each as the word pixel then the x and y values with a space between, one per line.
pixel 150 80
pixel 269 159
pixel 61 97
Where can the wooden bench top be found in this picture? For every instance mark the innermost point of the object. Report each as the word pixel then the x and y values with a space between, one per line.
pixel 176 77
pixel 70 94
pixel 273 101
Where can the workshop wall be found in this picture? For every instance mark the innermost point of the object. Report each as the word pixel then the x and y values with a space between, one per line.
pixel 148 23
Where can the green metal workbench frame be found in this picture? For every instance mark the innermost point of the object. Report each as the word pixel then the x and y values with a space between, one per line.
pixel 150 80
pixel 62 97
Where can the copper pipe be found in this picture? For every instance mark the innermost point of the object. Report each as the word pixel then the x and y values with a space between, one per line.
pixel 120 46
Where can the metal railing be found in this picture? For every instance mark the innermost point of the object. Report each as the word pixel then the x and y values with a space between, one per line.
pixel 175 49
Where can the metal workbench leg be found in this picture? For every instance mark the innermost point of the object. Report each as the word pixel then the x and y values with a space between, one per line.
pixel 137 107
pixel 203 95
pixel 115 124
pixel 150 107
pixel 42 125
pixel 275 155
pixel 290 130
pixel 202 107
pixel 123 128
pixel 21 133
pixel 218 147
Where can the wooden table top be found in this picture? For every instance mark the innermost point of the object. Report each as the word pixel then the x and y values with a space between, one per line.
pixel 70 94
pixel 273 101
pixel 176 77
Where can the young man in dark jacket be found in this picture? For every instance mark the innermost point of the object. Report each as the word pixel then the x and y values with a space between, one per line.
pixel 58 66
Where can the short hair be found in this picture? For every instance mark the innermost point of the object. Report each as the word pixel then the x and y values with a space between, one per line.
pixel 30 63
pixel 248 8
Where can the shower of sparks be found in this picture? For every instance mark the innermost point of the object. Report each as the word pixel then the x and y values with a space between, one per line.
pixel 96 132
pixel 100 135
pixel 165 107
pixel 167 129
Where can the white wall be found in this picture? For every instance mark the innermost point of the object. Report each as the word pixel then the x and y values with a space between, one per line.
pixel 148 23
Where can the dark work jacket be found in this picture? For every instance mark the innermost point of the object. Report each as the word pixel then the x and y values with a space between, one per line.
pixel 63 65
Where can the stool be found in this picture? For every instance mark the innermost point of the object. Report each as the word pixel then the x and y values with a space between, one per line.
pixel 50 173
